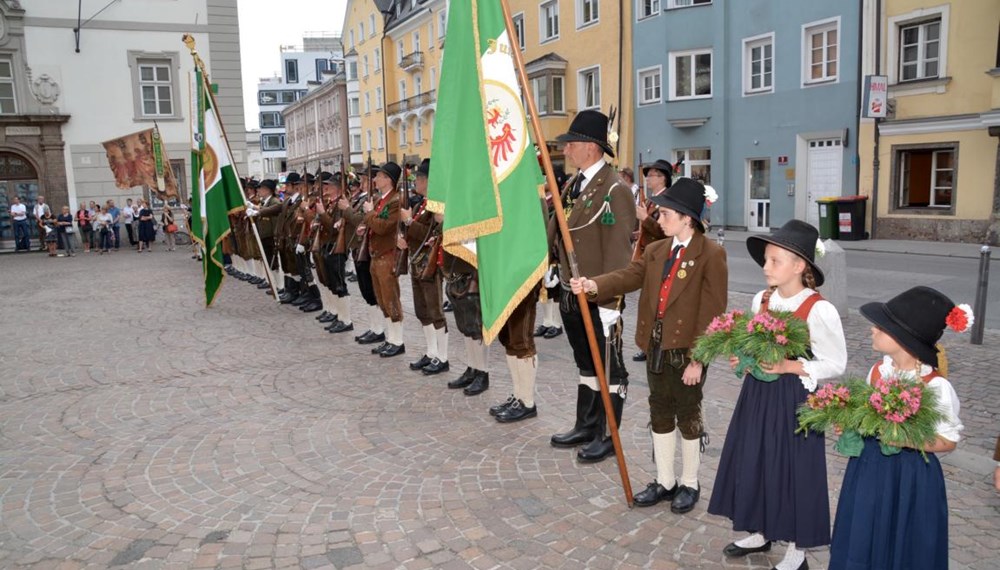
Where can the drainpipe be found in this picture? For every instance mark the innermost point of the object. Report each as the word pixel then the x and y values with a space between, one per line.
pixel 875 159
pixel 621 65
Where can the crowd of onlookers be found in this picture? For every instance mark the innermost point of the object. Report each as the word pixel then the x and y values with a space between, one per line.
pixel 93 227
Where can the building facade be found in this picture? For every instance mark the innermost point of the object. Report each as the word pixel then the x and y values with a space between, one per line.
pixel 316 127
pixel 355 132
pixel 765 110
pixel 937 176
pixel 63 93
pixel 362 36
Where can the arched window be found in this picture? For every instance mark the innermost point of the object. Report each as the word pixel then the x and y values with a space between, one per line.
pixel 17 178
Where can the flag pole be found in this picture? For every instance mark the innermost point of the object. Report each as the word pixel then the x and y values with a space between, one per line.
pixel 189 42
pixel 588 323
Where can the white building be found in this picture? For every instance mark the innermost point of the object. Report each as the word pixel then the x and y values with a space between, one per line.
pixel 255 160
pixel 317 126
pixel 320 55
pixel 63 93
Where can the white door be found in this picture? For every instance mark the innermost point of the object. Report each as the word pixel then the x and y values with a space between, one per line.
pixel 825 174
pixel 758 194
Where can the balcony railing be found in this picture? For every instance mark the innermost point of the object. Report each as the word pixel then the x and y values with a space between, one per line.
pixel 411 103
pixel 414 60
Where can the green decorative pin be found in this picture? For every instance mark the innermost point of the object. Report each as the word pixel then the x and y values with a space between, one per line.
pixel 608 217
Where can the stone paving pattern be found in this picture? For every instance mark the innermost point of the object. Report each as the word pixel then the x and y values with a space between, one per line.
pixel 139 430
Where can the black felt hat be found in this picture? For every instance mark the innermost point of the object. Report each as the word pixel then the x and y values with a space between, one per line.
pixel 797 237
pixel 915 319
pixel 425 167
pixel 663 166
pixel 269 184
pixel 293 178
pixel 392 170
pixel 326 177
pixel 686 196
pixel 589 126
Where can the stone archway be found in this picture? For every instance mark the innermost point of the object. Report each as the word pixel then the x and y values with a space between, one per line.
pixel 18 177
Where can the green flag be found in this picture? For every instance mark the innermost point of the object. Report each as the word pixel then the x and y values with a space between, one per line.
pixel 213 178
pixel 485 174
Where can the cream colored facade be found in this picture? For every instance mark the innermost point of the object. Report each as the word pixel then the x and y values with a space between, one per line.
pixel 561 59
pixel 362 37
pixel 937 152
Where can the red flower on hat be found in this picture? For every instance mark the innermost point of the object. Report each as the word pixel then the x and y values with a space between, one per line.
pixel 960 318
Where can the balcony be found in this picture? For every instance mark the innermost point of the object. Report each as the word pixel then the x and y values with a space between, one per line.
pixel 417 106
pixel 412 62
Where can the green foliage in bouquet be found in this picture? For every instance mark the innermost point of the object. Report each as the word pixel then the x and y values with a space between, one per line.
pixel 767 337
pixel 721 336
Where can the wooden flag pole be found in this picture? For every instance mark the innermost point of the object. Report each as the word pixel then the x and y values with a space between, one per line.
pixel 588 323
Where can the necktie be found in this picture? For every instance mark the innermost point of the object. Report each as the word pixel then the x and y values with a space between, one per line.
pixel 670 262
pixel 577 186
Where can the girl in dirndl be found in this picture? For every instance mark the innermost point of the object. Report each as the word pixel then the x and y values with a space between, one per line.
pixel 893 509
pixel 771 482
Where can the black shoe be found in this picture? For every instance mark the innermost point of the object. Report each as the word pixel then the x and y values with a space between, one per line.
pixel 264 285
pixel 340 326
pixel 286 298
pixel 301 299
pixel 588 403
pixel 371 338
pixel 229 269
pixel 352 278
pixel 322 315
pixel 329 318
pixel 378 349
pixel 447 307
pixel 480 384
pixel 596 451
pixel 256 281
pixel 732 550
pixel 464 380
pixel 516 412
pixel 424 361
pixel 653 494
pixel 639 356
pixel 436 367
pixel 311 307
pixel 553 332
pixel 540 330
pixel 685 499
pixel 392 350
pixel 497 408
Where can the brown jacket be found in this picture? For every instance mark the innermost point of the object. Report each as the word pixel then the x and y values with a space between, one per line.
pixel 417 231
pixel 650 230
pixel 600 248
pixel 383 226
pixel 269 209
pixel 694 300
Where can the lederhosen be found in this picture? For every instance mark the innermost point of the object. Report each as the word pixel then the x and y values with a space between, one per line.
pixel 462 289
pixel 383 263
pixel 362 267
pixel 420 237
pixel 335 256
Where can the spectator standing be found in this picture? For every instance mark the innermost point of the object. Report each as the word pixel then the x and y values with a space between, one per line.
pixel 169 226
pixel 128 216
pixel 115 214
pixel 22 233
pixel 147 227
pixel 83 218
pixel 64 229
pixel 47 231
pixel 39 213
pixel 102 226
pixel 94 234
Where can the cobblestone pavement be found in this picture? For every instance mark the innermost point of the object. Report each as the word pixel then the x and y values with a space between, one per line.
pixel 138 429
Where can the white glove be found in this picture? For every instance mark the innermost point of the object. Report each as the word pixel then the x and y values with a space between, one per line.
pixel 551 278
pixel 251 212
pixel 248 203
pixel 300 248
pixel 608 319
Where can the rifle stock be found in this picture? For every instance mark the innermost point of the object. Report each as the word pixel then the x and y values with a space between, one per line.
pixel 403 255
pixel 363 254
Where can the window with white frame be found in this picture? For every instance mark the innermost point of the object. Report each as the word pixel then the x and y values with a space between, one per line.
pixel 548 13
pixel 686 3
pixel 416 40
pixel 272 142
pixel 589 82
pixel 691 74
pixel 8 103
pixel 442 22
pixel 696 163
pixel 420 131
pixel 371 25
pixel 381 138
pixel 364 65
pixel 647 8
pixel 400 51
pixel 356 142
pixel 402 89
pixel 361 32
pixel 558 94
pixel 920 50
pixel 156 88
pixel 403 132
pixel 650 85
pixel 271 119
pixel 758 64
pixel 926 175
pixel 418 84
pixel 540 89
pixel 352 71
pixel 350 36
pixel 378 98
pixel 368 103
pixel 587 12
pixel 433 78
pixel 518 20
pixel 368 136
pixel 821 51
pixel 353 106
pixel 378 59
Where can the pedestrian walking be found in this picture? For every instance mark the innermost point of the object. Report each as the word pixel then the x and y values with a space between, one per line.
pixel 48 232
pixel 147 227
pixel 772 482
pixel 64 227
pixel 22 231
pixel 102 228
pixel 83 219
pixel 169 226
pixel 893 509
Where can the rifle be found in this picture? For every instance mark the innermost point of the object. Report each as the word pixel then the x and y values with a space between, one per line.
pixel 364 255
pixel 638 247
pixel 434 251
pixel 403 255
pixel 340 246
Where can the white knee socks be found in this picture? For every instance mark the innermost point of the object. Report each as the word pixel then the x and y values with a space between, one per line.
pixel 523 372
pixel 478 353
pixel 376 319
pixel 664 447
pixel 793 558
pixel 395 332
pixel 755 540
pixel 343 305
pixel 442 343
pixel 431 340
pixel 551 316
pixel 691 456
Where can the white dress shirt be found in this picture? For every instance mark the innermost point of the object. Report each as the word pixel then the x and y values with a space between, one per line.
pixel 950 426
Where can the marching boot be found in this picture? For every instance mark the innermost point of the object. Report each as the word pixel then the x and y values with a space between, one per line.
pixel 314 303
pixel 602 445
pixel 303 297
pixel 291 291
pixel 464 380
pixel 480 383
pixel 587 403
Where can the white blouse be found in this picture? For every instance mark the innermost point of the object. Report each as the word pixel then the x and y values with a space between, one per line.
pixel 950 426
pixel 826 336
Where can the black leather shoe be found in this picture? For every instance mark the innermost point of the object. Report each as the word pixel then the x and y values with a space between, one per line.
pixel 447 307
pixel 540 330
pixel 256 281
pixel 263 285
pixel 352 278
pixel 286 298
pixel 464 380
pixel 378 349
pixel 639 356
pixel 330 318
pixel 322 315
pixel 301 299
pixel 424 361
pixel 497 408
pixel 596 451
pixel 371 338
pixel 733 551
pixel 653 494
pixel 588 408
pixel 340 326
pixel 393 350
pixel 685 499
pixel 553 332
pixel 516 412
pixel 311 307
pixel 436 367
pixel 480 384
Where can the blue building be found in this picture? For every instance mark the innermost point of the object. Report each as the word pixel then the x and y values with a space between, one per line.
pixel 758 97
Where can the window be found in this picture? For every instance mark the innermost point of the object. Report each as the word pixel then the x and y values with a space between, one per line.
pixel 418 85
pixel 350 35
pixel 378 98
pixel 368 103
pixel 758 64
pixel 920 50
pixel 402 134
pixel 692 74
pixel 156 89
pixel 820 52
pixel 697 163
pixel 356 142
pixel 518 20
pixel 368 145
pixel 272 142
pixel 540 89
pixel 364 65
pixel 399 50
pixel 420 131
pixel 549 20
pixel 647 8
pixel 352 71
pixel 925 176
pixel 558 94
pixel 402 89
pixel 8 104
pixel 371 25
pixel 650 85
pixel 353 106
pixel 416 40
pixel 433 78
pixel 381 138
pixel 586 12
pixel 361 31
pixel 378 59
pixel 271 119
pixel 321 66
pixel 442 23
pixel 589 82
pixel 686 3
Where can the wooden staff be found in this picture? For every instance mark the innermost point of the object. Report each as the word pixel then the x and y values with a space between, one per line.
pixel 570 254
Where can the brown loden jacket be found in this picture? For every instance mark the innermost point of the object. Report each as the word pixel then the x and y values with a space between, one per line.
pixel 382 230
pixel 269 209
pixel 694 300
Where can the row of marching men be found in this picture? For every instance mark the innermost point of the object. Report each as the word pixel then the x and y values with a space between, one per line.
pixel 771 482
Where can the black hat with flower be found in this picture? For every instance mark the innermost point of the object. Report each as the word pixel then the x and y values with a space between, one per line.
pixel 797 237
pixel 689 197
pixel 916 319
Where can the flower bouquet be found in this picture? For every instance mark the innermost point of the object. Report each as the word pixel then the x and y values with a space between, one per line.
pixel 833 406
pixel 720 337
pixel 767 337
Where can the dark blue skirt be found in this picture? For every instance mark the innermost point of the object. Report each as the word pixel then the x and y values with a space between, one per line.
pixel 771 480
pixel 892 514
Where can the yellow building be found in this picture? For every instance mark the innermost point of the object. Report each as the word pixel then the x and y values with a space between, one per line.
pixel 362 37
pixel 578 55
pixel 937 155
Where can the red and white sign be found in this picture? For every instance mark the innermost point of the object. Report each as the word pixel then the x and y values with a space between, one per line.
pixel 876 96
pixel 783 160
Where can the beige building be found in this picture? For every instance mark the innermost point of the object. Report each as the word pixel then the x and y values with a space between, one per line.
pixel 316 128
pixel 362 36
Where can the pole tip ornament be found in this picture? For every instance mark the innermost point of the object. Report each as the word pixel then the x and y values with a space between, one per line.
pixel 188 40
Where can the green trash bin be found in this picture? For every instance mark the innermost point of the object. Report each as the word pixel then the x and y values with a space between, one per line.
pixel 828 218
